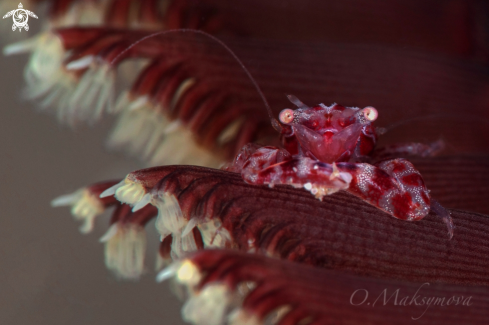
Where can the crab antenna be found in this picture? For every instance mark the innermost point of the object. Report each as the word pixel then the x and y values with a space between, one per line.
pixel 276 125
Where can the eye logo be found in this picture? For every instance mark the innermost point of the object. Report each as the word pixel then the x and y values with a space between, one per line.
pixel 20 17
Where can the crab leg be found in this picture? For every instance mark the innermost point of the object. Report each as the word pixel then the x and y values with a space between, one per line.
pixel 394 186
pixel 409 149
pixel 397 188
pixel 274 166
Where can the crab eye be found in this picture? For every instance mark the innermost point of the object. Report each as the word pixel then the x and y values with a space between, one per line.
pixel 286 116
pixel 370 113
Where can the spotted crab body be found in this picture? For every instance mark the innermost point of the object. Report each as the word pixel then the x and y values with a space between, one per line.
pixel 331 148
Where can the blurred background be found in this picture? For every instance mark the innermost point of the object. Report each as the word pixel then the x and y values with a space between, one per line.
pixel 51 274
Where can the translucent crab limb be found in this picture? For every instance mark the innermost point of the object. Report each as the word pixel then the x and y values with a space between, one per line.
pixel 445 215
pixel 408 149
pixel 86 203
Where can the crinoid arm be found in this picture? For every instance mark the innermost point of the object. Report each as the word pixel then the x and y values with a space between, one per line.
pixel 236 288
pixel 189 102
pixel 197 207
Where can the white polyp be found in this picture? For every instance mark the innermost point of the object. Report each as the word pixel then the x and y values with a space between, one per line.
pixel 88 224
pixel 150 134
pixel 130 193
pixel 161 262
pixel 177 247
pixel 51 98
pixel 84 206
pixel 109 233
pixel 138 103
pixel 93 94
pixel 184 86
pixel 106 98
pixel 244 288
pixel 147 134
pixel 43 73
pixel 81 63
pixel 170 217
pixel 169 272
pixel 72 99
pixel 188 243
pixel 214 235
pixel 181 245
pixel 230 132
pixel 209 306
pixel 175 148
pixel 188 273
pixel 111 190
pixel 143 202
pixel 240 316
pixel 180 147
pixel 125 249
pixel 127 126
pixel 274 317
pixel 173 127
pixel 190 226
pixel 67 199
pixel 47 56
pixel 139 132
pixel 21 47
pixel 122 102
pixel 154 138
